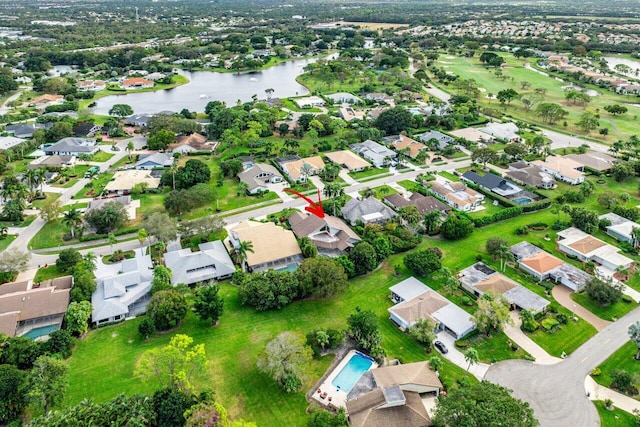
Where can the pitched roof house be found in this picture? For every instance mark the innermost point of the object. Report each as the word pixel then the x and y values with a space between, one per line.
pixel 25 130
pixel 43 101
pixel 34 310
pixel 369 210
pixel 480 278
pixel 348 160
pixel 295 166
pixel 471 134
pixel 122 291
pixel 593 160
pixel 492 182
pixel 73 146
pixel 136 83
pixel 54 161
pixel 141 120
pixel 531 175
pixel 443 140
pixel 425 204
pixel 331 235
pixel 348 114
pixel 211 262
pixel 457 195
pixel 415 301
pixel 562 168
pixel 273 246
pixel 542 265
pixel 84 130
pixel 155 160
pixel 620 228
pixel 585 247
pixel 190 143
pixel 377 154
pixel 390 396
pixel 123 181
pixel 505 131
pixel 413 147
pixel 258 175
pixel 126 201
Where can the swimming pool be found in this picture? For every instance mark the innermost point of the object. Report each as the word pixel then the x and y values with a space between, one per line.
pixel 522 200
pixel 292 267
pixel 41 331
pixel 352 371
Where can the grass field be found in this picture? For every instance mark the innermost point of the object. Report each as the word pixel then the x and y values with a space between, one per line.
pixel 620 127
pixel 232 347
pixel 50 236
pixel 615 418
pixel 621 359
pixel 8 239
pixel 50 272
pixel 610 312
pixel 95 186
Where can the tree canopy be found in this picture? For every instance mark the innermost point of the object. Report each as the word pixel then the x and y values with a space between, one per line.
pixel 284 358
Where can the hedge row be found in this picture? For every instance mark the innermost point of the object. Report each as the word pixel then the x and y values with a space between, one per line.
pixel 498 216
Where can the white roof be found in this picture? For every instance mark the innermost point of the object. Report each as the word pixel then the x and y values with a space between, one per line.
pixel 211 262
pixel 455 318
pixel 409 288
pixel 9 141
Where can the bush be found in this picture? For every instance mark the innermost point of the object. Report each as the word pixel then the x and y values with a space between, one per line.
pixel 562 318
pixel 463 344
pixel 596 372
pixel 465 300
pixel 627 299
pixel 167 309
pixel 550 324
pixel 522 231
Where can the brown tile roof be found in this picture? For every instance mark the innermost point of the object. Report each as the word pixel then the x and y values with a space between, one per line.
pixel 420 307
pixel 410 373
pixel 294 167
pixel 364 411
pixel 270 242
pixel 496 283
pixel 304 225
pixel 542 262
pixel 587 245
pixel 348 159
pixel 194 140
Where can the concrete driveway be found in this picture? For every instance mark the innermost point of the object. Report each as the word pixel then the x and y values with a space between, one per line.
pixel 454 355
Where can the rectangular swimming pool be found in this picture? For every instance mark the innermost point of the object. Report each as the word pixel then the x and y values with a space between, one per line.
pixel 352 371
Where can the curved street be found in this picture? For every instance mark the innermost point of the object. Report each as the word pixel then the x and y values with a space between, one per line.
pixel 557 392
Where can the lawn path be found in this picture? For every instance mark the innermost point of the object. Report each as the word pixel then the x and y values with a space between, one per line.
pixel 515 334
pixel 562 294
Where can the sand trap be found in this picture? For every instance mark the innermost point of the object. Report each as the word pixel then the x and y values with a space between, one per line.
pixel 450 57
pixel 481 89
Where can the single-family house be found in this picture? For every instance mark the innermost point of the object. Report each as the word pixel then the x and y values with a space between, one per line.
pixel 593 160
pixel 348 160
pixel 472 135
pixel 273 246
pixel 492 182
pixel 348 113
pixel 502 131
pixel 377 154
pixel 123 290
pixel 127 202
pixel 331 235
pixel 442 140
pixel 72 147
pixel 393 396
pixel 140 120
pixel 136 83
pixel 542 265
pixel 155 160
pixel 300 169
pixel 621 228
pixel 480 279
pixel 585 247
pixel 343 98
pixel 379 96
pixel 52 162
pixel 94 85
pixel 85 130
pixel 457 195
pixel 564 169
pixel 369 210
pixel 402 144
pixel 530 175
pixel 190 143
pixel 25 130
pixel 46 100
pixel 425 204
pixel 309 102
pixel 415 301
pixel 258 176
pixel 123 181
pixel 34 309
pixel 211 262
pixel 7 142
pixel 156 76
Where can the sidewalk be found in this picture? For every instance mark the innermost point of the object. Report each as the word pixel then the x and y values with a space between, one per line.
pixel 597 392
pixel 562 294
pixel 516 335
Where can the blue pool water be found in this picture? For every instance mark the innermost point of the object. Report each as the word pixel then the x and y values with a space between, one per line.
pixel 352 371
pixel 522 200
pixel 41 331
pixel 292 267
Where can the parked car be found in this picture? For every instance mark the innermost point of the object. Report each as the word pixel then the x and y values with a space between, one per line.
pixel 441 347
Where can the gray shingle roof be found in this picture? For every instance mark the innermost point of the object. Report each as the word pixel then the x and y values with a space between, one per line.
pixel 211 262
pixel 355 209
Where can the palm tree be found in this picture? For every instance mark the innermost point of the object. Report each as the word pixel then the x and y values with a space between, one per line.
pixel 243 187
pixel 30 178
pixel 241 252
pixel 142 236
pixel 111 238
pixel 505 256
pixel 305 171
pixel 71 219
pixel 130 148
pixel 41 173
pixel 635 236
pixel 174 169
pixel 333 190
pixel 471 356
pixel 91 258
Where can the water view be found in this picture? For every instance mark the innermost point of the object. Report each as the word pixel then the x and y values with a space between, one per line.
pixel 205 86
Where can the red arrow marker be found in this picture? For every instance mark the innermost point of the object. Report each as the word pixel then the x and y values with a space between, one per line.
pixel 314 208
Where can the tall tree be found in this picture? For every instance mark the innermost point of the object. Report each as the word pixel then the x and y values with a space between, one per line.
pixel 634 335
pixel 161 226
pixel 76 320
pixel 47 382
pixel 284 359
pixel 13 393
pixel 363 328
pixel 208 304
pixel 175 365
pixel 321 277
pixel 492 313
pixel 72 219
pixel 471 356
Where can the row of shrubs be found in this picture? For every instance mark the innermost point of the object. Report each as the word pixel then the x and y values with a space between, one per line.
pixel 501 215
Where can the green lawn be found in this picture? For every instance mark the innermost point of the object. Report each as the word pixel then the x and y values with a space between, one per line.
pixel 369 172
pixel 409 185
pixel 102 156
pixel 609 312
pixel 50 272
pixel 567 339
pixel 38 203
pixel 381 192
pixel 615 418
pixel 25 223
pixel 621 359
pixel 74 206
pixel 95 186
pixel 8 239
pixel 50 236
pixel 233 346
pixel 494 349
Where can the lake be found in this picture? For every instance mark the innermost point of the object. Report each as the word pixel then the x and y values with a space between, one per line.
pixel 206 86
pixel 612 61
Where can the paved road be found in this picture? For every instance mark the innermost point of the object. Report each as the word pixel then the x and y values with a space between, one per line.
pixel 4 109
pixel 557 392
pixel 560 140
